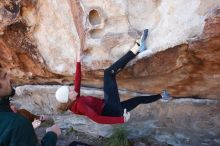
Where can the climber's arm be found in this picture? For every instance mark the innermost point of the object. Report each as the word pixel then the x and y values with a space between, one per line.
pixel 77 81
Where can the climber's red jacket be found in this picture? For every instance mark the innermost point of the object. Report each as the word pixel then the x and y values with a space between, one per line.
pixel 90 106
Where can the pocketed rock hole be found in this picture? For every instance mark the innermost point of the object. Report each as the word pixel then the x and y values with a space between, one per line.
pixel 94 17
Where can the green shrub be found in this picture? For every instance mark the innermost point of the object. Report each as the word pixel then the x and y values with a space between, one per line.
pixel 70 131
pixel 118 138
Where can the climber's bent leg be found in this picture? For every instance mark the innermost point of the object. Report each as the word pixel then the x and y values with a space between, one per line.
pixel 112 105
pixel 120 64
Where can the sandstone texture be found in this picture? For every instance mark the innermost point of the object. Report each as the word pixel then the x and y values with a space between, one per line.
pixel 39 40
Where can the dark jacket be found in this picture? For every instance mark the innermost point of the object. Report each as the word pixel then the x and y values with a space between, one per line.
pixel 16 130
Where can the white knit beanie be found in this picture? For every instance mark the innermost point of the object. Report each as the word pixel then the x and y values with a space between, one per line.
pixel 62 94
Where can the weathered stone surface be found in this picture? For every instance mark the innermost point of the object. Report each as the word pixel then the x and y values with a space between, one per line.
pixel 9 11
pixel 179 122
pixel 19 51
pixel 69 135
pixel 56 36
pixel 40 40
pixel 188 69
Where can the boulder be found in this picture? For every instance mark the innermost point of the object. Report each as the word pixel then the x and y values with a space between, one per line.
pixel 39 41
pixel 178 122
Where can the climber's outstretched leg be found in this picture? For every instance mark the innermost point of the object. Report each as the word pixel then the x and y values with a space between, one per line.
pixel 130 104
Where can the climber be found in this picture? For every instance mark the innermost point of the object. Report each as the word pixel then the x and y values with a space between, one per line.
pixel 16 130
pixel 110 110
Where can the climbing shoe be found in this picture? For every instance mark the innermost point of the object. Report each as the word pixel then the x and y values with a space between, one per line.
pixel 142 41
pixel 165 96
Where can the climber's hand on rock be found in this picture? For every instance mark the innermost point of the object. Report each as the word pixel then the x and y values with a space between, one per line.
pixel 126 115
pixel 55 129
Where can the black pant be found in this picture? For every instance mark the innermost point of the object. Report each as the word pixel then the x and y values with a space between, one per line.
pixel 113 106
